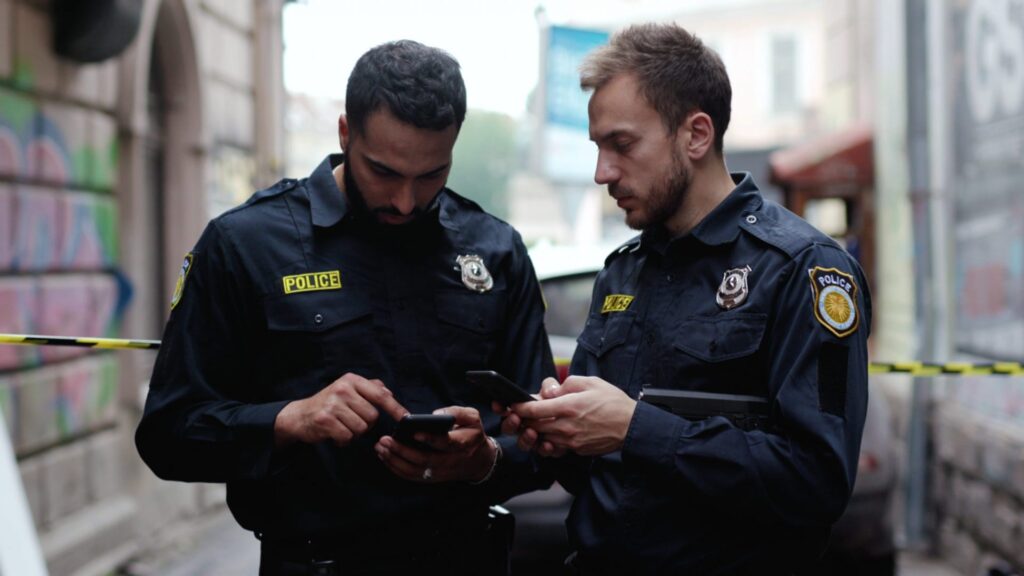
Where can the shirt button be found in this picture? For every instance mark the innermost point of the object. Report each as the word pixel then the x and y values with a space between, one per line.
pixel 751 219
pixel 650 337
pixel 668 277
pixel 318 319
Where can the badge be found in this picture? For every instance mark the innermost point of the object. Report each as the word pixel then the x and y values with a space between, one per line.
pixel 179 286
pixel 475 275
pixel 835 300
pixel 733 290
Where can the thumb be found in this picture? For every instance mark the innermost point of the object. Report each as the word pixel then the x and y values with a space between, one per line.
pixel 550 388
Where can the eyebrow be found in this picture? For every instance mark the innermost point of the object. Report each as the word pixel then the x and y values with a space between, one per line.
pixel 610 136
pixel 391 171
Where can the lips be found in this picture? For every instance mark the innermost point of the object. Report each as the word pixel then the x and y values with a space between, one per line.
pixel 393 219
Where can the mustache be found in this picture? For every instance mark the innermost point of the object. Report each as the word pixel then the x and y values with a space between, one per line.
pixel 616 191
pixel 416 211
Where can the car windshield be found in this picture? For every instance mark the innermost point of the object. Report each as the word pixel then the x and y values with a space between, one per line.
pixel 568 301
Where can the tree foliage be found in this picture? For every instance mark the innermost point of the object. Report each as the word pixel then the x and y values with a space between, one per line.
pixel 485 158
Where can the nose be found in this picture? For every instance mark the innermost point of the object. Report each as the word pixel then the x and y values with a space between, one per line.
pixel 404 199
pixel 606 171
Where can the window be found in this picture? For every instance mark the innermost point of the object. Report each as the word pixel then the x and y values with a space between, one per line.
pixel 784 75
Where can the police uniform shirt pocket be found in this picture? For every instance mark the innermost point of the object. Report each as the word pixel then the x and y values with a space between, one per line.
pixel 309 331
pixel 721 338
pixel 605 332
pixel 479 313
pixel 469 327
pixel 715 353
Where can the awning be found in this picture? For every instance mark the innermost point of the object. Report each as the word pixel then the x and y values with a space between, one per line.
pixel 843 157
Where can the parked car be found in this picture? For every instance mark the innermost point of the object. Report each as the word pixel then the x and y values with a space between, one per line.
pixel 861 542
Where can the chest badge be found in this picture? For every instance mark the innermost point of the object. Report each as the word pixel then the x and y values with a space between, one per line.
pixel 733 290
pixel 475 275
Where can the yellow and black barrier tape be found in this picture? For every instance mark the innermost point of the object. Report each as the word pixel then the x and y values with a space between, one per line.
pixel 911 368
pixel 114 343
pixel 948 369
pixel 927 368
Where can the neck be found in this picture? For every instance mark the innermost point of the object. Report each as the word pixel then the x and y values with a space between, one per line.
pixel 710 185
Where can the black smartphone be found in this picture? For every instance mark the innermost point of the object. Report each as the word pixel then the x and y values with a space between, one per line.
pixel 497 387
pixel 428 423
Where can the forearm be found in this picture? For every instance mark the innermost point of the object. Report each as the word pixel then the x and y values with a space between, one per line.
pixel 755 474
pixel 209 442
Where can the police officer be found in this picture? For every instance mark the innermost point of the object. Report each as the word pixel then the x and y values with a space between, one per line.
pixel 724 292
pixel 308 320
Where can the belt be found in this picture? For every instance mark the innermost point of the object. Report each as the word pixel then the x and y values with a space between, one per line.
pixel 406 546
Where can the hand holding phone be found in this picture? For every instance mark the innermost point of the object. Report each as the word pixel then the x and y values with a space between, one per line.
pixel 426 423
pixel 497 387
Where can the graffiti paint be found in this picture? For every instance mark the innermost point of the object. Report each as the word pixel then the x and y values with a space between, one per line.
pixel 6 227
pixel 17 308
pixel 75 305
pixel 17 126
pixel 86 394
pixel 37 230
pixel 89 232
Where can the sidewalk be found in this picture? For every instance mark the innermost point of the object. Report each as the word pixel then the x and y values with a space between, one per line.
pixel 915 564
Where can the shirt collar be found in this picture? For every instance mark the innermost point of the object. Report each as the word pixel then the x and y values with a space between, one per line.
pixel 327 202
pixel 722 225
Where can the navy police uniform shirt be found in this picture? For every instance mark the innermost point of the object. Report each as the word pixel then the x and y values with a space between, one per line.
pixel 295 288
pixel 752 301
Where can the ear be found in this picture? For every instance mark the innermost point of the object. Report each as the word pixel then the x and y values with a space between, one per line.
pixel 702 135
pixel 343 132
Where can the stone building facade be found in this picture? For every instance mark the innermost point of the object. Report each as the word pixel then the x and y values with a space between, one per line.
pixel 108 173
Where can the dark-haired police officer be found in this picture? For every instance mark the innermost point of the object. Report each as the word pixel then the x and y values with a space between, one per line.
pixel 309 319
pixel 723 292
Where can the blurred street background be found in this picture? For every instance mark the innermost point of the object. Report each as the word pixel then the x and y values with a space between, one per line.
pixel 896 126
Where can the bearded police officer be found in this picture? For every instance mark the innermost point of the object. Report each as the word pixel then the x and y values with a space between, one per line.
pixel 308 320
pixel 723 292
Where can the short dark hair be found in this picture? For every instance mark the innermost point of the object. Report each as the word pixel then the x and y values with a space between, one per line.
pixel 419 84
pixel 676 72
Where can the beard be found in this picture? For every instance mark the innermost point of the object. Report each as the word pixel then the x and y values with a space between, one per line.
pixel 664 198
pixel 355 196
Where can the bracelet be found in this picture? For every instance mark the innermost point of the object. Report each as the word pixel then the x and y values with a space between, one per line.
pixel 494 464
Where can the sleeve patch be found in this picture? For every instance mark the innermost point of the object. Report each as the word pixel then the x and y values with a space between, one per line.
pixel 179 286
pixel 835 300
pixel 832 370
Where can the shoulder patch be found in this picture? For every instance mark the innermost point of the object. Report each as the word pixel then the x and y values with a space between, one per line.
pixel 179 286
pixel 835 300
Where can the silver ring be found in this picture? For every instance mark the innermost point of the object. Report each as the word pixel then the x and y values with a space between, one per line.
pixel 427 474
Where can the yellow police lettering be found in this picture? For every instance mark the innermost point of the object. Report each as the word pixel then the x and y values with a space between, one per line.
pixel 616 303
pixel 311 282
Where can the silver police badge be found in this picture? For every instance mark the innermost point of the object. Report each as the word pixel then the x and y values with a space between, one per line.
pixel 733 290
pixel 475 275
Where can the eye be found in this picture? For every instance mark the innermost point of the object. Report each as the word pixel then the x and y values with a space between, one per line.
pixel 622 146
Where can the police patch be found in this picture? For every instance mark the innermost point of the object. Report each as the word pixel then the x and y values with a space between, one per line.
pixel 835 300
pixel 312 281
pixel 179 286
pixel 616 303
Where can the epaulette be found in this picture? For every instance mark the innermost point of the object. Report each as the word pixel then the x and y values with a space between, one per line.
pixel 280 187
pixel 791 238
pixel 631 245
